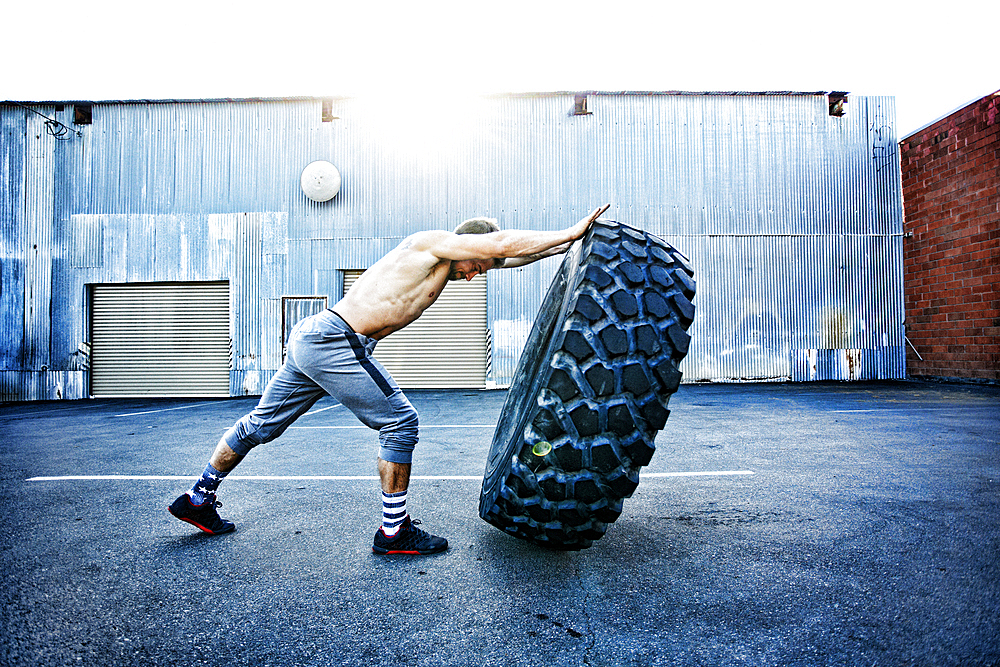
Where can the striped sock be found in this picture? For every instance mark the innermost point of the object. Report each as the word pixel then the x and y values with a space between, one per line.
pixel 207 485
pixel 393 512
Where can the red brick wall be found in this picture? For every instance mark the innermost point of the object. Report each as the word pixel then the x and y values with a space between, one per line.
pixel 951 263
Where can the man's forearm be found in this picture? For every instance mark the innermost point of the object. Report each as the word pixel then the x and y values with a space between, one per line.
pixel 521 244
pixel 515 262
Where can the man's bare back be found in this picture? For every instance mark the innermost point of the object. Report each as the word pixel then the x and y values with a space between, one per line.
pixel 398 288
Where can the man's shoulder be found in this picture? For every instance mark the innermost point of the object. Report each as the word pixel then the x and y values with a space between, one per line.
pixel 424 240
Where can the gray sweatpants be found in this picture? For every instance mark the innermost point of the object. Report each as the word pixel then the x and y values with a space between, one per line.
pixel 325 356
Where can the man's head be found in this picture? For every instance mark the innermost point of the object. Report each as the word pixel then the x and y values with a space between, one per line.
pixel 475 226
pixel 478 226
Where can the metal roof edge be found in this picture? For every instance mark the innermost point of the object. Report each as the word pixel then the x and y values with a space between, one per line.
pixel 210 100
pixel 650 93
pixel 314 98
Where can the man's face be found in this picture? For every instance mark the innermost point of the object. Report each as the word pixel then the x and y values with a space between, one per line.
pixel 467 269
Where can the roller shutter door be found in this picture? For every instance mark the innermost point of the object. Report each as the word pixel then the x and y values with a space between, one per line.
pixel 160 339
pixel 446 347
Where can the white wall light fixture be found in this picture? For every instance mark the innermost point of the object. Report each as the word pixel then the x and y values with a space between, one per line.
pixel 320 181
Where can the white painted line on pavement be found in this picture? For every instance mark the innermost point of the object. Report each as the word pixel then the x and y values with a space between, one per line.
pixel 149 412
pixel 712 473
pixel 341 478
pixel 422 426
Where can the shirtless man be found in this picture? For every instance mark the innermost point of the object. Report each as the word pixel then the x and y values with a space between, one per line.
pixel 330 354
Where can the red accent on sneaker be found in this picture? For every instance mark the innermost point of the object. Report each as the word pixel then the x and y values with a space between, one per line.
pixel 196 525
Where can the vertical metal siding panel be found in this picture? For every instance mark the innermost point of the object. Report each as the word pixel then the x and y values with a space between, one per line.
pixel 37 250
pixel 86 241
pixel 65 314
pixel 13 171
pixel 248 307
pixel 140 253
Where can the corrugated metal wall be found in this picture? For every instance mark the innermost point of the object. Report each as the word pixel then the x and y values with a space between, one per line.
pixel 792 217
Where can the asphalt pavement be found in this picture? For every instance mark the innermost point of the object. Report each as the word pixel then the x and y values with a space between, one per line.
pixel 778 524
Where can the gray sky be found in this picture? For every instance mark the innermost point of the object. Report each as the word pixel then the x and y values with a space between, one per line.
pixel 932 57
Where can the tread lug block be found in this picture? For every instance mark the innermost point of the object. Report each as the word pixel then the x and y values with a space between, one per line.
pixel 655 305
pixel 576 344
pixel 630 234
pixel 686 280
pixel 520 487
pixel 567 457
pixel 602 250
pixel 679 338
pixel 510 506
pixel 620 419
pixel 634 380
pixel 598 276
pixel 685 308
pixel 637 250
pixel 624 303
pixel 610 225
pixel 537 511
pixel 563 385
pixel 547 424
pixel 654 414
pixel 661 277
pixel 589 308
pixel 570 515
pixel 553 487
pixel 669 376
pixel 640 452
pixel 603 234
pixel 586 420
pixel 606 511
pixel 647 340
pixel 587 490
pixel 632 272
pixel 624 483
pixel 555 537
pixel 615 340
pixel 601 380
pixel 591 389
pixel 658 254
pixel 603 457
pixel 684 263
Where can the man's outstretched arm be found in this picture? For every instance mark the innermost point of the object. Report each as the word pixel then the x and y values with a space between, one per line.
pixel 509 244
pixel 514 262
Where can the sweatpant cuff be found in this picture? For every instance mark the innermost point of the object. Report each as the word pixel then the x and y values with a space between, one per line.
pixel 395 456
pixel 233 440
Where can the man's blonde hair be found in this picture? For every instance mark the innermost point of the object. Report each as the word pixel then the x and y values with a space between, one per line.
pixel 481 226
pixel 478 226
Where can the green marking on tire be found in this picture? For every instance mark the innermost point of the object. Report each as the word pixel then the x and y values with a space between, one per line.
pixel 541 448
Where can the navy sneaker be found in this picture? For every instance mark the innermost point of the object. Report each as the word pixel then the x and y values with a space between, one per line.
pixel 409 540
pixel 202 516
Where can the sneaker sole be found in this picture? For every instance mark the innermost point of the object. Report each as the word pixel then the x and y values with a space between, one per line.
pixel 199 526
pixel 387 552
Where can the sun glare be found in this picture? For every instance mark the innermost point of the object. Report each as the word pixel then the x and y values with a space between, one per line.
pixel 419 122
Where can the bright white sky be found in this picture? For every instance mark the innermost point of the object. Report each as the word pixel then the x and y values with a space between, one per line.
pixel 933 57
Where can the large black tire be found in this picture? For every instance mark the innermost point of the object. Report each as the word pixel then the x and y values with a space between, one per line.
pixel 591 388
